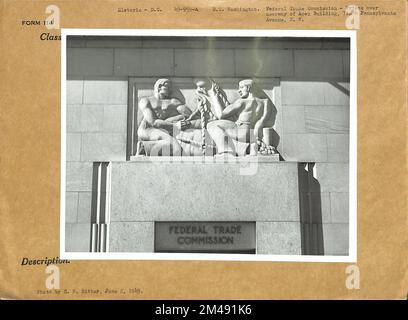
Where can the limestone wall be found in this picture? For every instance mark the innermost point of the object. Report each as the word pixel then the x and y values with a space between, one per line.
pixel 312 121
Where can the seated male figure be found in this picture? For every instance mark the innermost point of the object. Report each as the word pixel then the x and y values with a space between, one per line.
pixel 252 114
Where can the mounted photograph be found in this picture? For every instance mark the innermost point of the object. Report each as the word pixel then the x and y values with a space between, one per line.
pixel 208 145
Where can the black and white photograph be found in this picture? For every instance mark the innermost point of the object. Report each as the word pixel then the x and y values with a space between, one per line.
pixel 208 145
pixel 203 158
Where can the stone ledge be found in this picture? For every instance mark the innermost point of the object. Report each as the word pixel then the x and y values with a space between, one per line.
pixel 205 160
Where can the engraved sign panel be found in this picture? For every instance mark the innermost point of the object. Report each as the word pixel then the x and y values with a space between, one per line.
pixel 205 237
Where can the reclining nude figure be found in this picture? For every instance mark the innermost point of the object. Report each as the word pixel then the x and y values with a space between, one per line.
pixel 163 116
pixel 253 113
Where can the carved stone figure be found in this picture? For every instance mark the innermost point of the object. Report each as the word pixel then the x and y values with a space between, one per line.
pixel 252 115
pixel 162 115
pixel 205 112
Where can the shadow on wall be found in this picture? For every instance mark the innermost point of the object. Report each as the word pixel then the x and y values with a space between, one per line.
pixel 310 211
